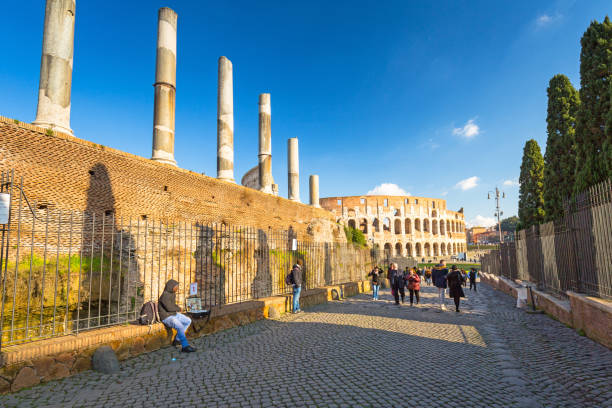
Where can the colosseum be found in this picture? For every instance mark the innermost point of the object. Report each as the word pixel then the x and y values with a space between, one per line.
pixel 401 225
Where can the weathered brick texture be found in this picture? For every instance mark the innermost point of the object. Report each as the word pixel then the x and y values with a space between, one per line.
pixel 67 172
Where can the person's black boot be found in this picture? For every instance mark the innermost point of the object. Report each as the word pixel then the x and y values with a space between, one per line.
pixel 188 349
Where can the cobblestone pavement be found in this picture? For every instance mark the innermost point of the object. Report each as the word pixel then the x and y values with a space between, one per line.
pixel 360 353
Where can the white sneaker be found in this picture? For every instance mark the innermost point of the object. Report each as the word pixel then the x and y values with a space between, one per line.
pixel 443 307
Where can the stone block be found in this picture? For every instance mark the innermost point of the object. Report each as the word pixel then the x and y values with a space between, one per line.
pixel 65 358
pixel 58 370
pixel 5 386
pixel 273 313
pixel 81 364
pixel 105 360
pixel 43 366
pixel 137 347
pixel 27 377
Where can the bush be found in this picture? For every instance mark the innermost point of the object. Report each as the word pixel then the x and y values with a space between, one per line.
pixel 355 236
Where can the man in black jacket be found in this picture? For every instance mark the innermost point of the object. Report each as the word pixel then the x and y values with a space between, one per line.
pixel 296 279
pixel 170 316
pixel 438 274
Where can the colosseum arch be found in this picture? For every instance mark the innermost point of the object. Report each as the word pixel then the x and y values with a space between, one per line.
pixel 398 249
pixel 376 225
pixel 351 223
pixel 434 213
pixel 448 227
pixel 442 227
pixel 387 250
pixel 427 248
pixel 417 224
pixel 408 226
pixel 409 249
pixel 426 225
pixel 386 225
pixel 434 227
pixel 454 248
pixel 448 251
pixel 363 225
pixel 397 226
pixel 442 249
pixel 436 252
pixel 417 249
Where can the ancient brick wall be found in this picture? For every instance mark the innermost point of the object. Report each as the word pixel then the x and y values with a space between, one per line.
pixel 61 171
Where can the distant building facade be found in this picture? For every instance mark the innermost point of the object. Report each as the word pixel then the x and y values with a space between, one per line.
pixel 403 225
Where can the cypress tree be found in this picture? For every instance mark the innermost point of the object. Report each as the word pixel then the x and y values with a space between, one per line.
pixel 593 137
pixel 560 157
pixel 531 198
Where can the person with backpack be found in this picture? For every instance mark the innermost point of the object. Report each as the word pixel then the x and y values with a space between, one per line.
pixel 397 283
pixel 455 280
pixel 375 274
pixel 414 285
pixel 296 281
pixel 473 275
pixel 438 274
pixel 170 316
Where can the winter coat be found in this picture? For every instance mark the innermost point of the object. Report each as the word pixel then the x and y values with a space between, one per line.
pixel 396 277
pixel 414 282
pixel 455 279
pixel 438 275
pixel 167 301
pixel 297 275
pixel 375 277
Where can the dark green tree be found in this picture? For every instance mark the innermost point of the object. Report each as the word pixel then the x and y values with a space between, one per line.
pixel 593 137
pixel 560 157
pixel 510 223
pixel 531 199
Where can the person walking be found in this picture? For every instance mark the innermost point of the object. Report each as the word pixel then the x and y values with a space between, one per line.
pixel 296 279
pixel 375 274
pixel 427 276
pixel 455 280
pixel 438 275
pixel 397 283
pixel 473 276
pixel 414 285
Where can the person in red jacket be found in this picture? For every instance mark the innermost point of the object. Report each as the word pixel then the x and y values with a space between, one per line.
pixel 413 282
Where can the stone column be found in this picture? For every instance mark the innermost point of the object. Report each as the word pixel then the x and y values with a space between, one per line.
pixel 314 191
pixel 265 144
pixel 293 165
pixel 165 88
pixel 225 121
pixel 53 110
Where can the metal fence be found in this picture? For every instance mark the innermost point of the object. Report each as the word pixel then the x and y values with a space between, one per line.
pixel 572 253
pixel 68 271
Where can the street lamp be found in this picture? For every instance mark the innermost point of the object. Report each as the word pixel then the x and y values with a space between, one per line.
pixel 498 212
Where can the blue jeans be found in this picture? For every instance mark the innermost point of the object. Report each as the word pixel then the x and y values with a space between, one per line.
pixel 296 298
pixel 180 322
pixel 375 291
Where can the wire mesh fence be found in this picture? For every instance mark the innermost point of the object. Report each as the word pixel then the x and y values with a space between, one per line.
pixel 68 271
pixel 572 253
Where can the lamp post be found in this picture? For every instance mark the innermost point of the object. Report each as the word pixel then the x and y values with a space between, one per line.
pixel 498 213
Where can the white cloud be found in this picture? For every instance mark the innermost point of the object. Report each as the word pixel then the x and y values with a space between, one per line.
pixel 468 131
pixel 543 20
pixel 444 194
pixel 388 189
pixel 480 221
pixel 511 183
pixel 468 183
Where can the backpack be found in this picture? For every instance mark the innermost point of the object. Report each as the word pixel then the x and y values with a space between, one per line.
pixel 149 313
pixel 289 278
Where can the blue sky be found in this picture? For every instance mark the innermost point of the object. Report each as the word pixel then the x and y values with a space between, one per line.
pixel 435 97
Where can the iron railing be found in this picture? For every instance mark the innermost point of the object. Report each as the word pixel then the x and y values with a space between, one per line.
pixel 571 253
pixel 67 271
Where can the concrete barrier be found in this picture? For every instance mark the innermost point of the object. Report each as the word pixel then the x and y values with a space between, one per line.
pixel 29 364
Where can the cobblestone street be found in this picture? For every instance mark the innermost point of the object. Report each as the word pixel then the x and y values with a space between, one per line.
pixel 361 353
